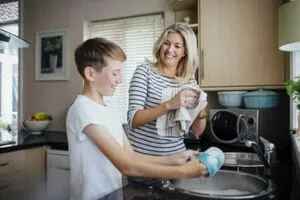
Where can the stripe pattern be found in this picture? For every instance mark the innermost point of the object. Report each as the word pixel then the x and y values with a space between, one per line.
pixel 145 91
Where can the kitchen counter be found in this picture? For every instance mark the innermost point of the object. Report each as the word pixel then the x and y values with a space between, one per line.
pixel 132 191
pixel 25 140
pixel 137 192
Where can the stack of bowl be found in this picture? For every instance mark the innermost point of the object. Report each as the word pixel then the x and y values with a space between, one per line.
pixel 231 98
pixel 254 99
pixel 261 99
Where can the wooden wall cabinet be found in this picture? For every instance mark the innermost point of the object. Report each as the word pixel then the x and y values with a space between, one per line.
pixel 238 43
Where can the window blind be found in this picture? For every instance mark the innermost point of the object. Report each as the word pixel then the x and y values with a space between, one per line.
pixel 295 72
pixel 136 36
pixel 9 11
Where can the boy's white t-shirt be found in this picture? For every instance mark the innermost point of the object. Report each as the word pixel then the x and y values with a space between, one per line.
pixel 92 173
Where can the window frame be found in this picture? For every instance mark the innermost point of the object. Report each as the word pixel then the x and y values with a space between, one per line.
pixel 295 71
pixel 19 23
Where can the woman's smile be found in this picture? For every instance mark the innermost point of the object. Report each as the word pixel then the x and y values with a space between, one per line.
pixel 172 50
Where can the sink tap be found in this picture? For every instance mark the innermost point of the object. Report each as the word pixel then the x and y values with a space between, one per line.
pixel 250 143
pixel 258 150
pixel 268 149
pixel 262 147
pixel 265 151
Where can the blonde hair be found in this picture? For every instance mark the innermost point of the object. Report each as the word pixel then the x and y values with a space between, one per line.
pixel 190 62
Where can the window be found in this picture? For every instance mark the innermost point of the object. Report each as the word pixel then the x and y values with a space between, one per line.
pixel 9 65
pixel 295 71
pixel 136 35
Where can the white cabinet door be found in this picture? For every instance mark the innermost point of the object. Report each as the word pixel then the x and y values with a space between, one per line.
pixel 58 175
pixel 58 184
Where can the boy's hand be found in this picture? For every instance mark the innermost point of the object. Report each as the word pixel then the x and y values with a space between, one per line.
pixel 213 158
pixel 182 157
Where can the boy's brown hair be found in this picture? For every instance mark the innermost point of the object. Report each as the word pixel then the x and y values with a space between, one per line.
pixel 94 52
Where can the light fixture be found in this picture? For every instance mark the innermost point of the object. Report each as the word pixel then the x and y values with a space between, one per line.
pixel 11 41
pixel 289 26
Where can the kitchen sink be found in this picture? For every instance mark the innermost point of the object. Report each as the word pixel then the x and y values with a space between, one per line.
pixel 226 184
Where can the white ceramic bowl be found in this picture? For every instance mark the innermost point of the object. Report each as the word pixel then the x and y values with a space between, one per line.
pixel 36 126
pixel 231 98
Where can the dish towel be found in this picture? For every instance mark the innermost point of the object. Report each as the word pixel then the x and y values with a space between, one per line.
pixel 177 123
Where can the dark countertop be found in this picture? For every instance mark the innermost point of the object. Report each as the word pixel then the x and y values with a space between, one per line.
pixel 133 191
pixel 137 192
pixel 25 140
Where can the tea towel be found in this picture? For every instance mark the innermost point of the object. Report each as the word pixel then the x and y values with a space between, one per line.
pixel 176 123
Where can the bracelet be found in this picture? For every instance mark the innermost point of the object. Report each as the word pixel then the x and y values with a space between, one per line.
pixel 203 117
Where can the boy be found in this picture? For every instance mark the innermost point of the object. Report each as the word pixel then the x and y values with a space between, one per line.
pixel 99 150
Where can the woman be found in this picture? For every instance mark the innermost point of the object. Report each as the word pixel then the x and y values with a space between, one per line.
pixel 175 65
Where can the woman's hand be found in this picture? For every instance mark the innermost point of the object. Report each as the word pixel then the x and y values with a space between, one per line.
pixel 182 157
pixel 184 98
pixel 199 124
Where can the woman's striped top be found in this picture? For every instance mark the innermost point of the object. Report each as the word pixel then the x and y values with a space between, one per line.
pixel 145 92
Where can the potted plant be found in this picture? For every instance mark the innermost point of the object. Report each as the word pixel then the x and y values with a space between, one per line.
pixel 293 90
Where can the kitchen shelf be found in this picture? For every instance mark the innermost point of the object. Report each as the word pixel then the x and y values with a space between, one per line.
pixel 182 4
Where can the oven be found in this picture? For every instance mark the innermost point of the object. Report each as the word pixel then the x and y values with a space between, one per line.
pixel 233 125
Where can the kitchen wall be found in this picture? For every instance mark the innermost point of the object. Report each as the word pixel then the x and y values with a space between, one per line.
pixel 54 97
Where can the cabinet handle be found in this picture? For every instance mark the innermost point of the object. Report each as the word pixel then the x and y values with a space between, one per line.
pixel 201 64
pixel 64 168
pixel 4 164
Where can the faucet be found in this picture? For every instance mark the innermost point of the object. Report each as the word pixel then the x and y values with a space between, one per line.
pixel 263 148
pixel 268 149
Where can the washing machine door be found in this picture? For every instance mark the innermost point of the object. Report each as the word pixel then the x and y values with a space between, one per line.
pixel 227 126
